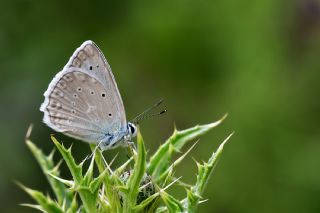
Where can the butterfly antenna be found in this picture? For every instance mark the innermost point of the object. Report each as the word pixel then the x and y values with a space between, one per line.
pixel 155 114
pixel 144 115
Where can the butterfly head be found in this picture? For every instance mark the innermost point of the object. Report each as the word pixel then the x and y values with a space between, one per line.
pixel 132 129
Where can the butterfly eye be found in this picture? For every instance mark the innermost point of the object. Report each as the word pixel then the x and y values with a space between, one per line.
pixel 132 128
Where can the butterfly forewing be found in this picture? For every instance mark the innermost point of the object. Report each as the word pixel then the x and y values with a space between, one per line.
pixel 83 100
pixel 91 60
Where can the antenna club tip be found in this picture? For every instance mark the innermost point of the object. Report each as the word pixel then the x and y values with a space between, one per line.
pixel 164 111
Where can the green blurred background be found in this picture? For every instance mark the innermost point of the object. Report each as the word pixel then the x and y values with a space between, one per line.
pixel 256 60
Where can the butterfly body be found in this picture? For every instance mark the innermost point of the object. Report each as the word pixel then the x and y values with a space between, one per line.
pixel 83 101
pixel 122 137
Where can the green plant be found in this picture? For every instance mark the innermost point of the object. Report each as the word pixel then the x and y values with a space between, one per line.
pixel 141 189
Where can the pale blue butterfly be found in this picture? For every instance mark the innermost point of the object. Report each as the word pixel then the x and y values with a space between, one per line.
pixel 83 101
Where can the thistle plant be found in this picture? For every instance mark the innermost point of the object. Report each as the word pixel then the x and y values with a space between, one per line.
pixel 138 185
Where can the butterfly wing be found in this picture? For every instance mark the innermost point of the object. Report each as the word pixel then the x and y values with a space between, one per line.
pixel 83 100
pixel 91 60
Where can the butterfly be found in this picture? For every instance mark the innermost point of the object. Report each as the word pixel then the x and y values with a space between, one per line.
pixel 84 102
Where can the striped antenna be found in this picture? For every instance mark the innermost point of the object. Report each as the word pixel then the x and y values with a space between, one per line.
pixel 145 114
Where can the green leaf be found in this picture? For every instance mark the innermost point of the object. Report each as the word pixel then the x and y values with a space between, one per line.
pixel 74 206
pixel 120 191
pixel 37 207
pixel 204 172
pixel 109 180
pixel 68 183
pixel 88 198
pixel 47 166
pixel 160 161
pixel 75 170
pixel 122 168
pixel 169 170
pixel 105 207
pixel 46 203
pixel 145 203
pixel 98 157
pixel 95 183
pixel 153 206
pixel 135 178
pixel 162 209
pixel 192 201
pixel 89 174
pixel 173 205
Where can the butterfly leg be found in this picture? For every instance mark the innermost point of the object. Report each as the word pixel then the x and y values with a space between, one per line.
pixel 131 149
pixel 127 142
pixel 132 145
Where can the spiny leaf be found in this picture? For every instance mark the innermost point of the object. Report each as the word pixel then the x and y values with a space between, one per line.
pixel 46 203
pixel 104 206
pixel 38 207
pixel 95 183
pixel 162 209
pixel 191 201
pixel 121 169
pixel 110 192
pixel 74 206
pixel 47 166
pixel 109 180
pixel 204 172
pixel 89 174
pixel 175 163
pixel 145 203
pixel 136 176
pixel 159 162
pixel 172 204
pixel 68 183
pixel 154 205
pixel 88 199
pixel 98 157
pixel 75 170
